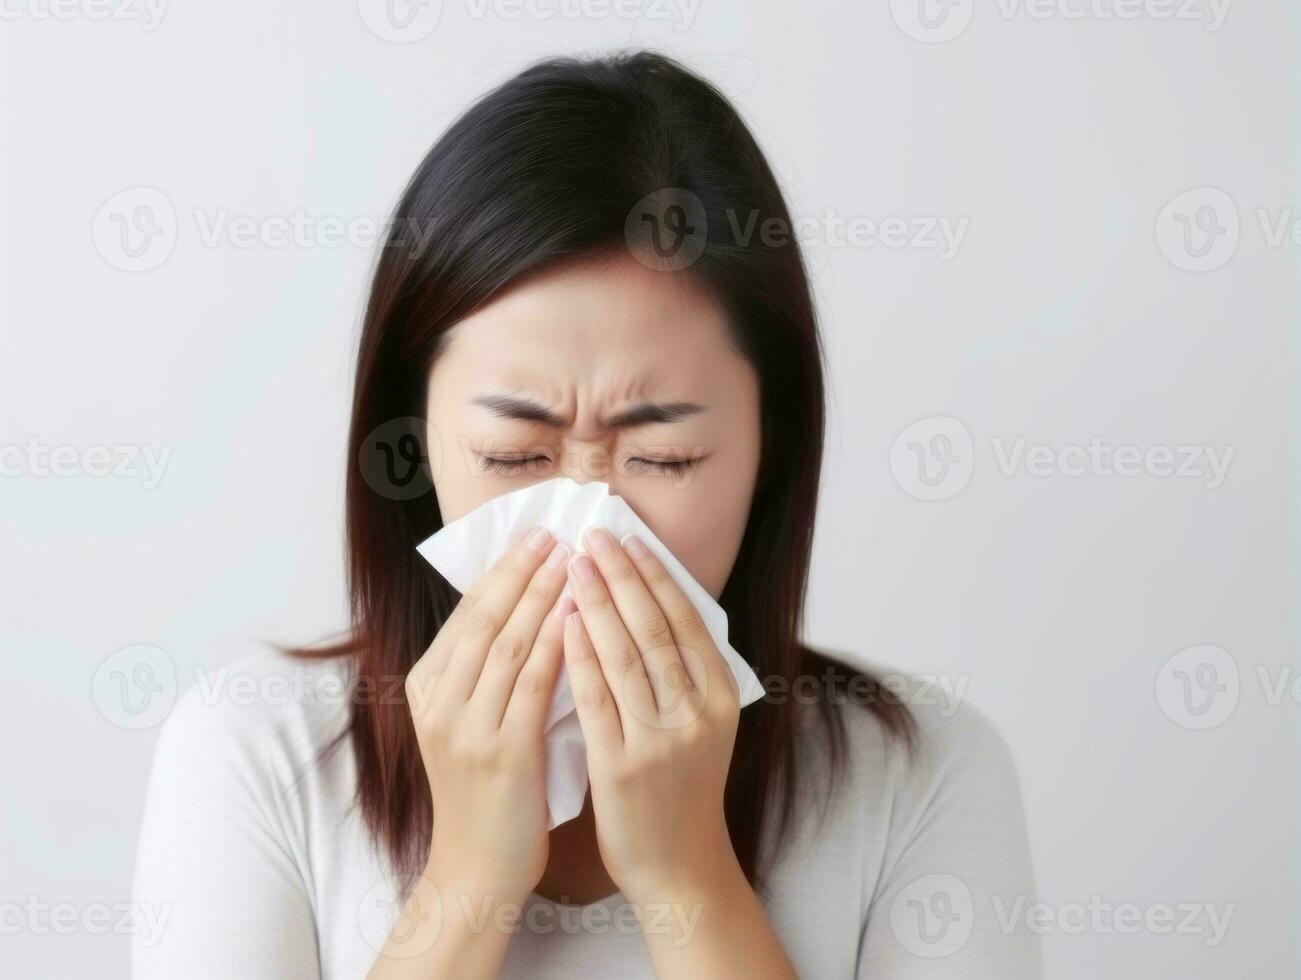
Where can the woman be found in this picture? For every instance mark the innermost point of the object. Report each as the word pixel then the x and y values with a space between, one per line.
pixel 568 289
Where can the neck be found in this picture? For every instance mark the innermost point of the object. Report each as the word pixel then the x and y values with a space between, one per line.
pixel 575 873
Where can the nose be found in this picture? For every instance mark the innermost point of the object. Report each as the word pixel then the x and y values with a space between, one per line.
pixel 587 461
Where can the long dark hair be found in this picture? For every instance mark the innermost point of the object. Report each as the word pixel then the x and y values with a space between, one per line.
pixel 564 162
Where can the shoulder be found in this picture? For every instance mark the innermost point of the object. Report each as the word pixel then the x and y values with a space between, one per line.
pixel 946 797
pixel 270 708
pixel 937 726
pixel 231 840
pixel 946 754
pixel 932 818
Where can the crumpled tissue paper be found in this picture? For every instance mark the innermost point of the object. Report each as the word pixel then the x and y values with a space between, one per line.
pixel 464 549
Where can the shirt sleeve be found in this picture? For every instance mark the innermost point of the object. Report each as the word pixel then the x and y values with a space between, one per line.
pixel 952 898
pixel 214 863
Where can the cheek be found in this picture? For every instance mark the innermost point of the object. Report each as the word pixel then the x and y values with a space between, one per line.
pixel 462 482
pixel 701 522
pixel 457 485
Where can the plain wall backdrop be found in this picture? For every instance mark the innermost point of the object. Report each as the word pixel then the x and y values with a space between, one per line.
pixel 1050 241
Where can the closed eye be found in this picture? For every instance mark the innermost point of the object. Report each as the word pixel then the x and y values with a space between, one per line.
pixel 510 464
pixel 673 467
pixel 517 464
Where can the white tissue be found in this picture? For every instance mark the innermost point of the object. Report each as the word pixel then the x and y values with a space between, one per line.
pixel 464 549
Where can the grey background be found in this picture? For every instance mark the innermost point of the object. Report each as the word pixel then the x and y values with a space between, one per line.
pixel 1055 599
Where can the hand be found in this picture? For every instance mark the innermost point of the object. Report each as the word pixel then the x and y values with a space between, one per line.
pixel 479 699
pixel 659 708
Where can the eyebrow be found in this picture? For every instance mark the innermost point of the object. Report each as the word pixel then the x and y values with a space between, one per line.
pixel 520 407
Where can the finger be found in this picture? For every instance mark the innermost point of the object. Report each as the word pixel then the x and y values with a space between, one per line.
pixel 598 716
pixel 643 620
pixel 616 651
pixel 489 602
pixel 513 645
pixel 701 657
pixel 530 701
pixel 423 675
pixel 425 672
pixel 457 618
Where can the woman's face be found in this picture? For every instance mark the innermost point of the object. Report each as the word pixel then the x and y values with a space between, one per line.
pixel 531 387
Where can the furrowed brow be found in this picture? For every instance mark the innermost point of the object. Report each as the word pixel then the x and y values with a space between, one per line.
pixel 520 407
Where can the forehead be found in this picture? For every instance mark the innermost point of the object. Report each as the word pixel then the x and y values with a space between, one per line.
pixel 614 320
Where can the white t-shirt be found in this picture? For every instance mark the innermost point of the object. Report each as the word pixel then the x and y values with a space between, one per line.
pixel 254 852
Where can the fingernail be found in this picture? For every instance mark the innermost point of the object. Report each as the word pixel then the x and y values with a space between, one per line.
pixel 583 568
pixel 599 540
pixel 634 545
pixel 538 539
pixel 559 555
